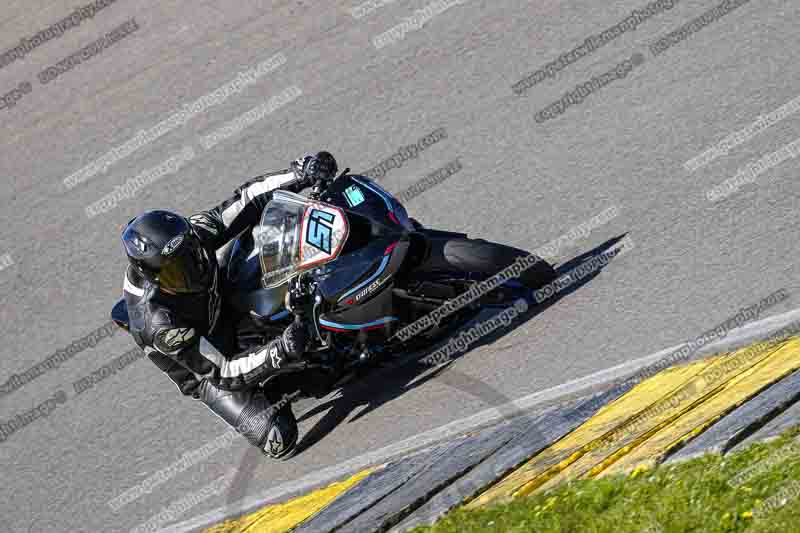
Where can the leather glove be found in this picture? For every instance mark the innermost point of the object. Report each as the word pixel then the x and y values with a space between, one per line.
pixel 310 168
pixel 295 340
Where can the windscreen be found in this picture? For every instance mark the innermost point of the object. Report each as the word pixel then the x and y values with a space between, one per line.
pixel 296 234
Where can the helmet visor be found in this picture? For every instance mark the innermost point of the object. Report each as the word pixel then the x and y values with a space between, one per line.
pixel 186 269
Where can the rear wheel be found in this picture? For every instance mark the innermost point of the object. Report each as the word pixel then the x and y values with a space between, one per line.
pixel 483 259
pixel 448 265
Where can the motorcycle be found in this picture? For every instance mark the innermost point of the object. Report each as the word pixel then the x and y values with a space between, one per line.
pixel 348 261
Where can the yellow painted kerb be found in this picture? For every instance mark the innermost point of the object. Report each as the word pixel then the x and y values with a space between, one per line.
pixel 282 517
pixel 656 416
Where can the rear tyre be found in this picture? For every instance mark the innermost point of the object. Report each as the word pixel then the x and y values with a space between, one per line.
pixel 448 254
pixel 488 258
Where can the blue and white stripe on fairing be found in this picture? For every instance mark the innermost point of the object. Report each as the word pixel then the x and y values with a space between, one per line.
pixel 379 322
pixel 369 280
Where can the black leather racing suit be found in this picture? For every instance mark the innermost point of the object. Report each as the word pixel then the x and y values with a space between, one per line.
pixel 194 342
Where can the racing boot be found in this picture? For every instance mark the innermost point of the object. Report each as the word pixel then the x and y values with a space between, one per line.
pixel 271 427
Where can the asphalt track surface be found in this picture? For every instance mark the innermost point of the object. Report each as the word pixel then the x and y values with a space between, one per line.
pixel 694 264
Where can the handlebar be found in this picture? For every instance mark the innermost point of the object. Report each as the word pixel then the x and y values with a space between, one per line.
pixel 321 185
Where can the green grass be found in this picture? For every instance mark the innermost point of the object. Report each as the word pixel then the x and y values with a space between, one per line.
pixel 693 496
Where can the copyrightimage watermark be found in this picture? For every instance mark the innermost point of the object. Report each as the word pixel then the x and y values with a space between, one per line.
pixel 584 270
pixel 53 361
pixel 690 347
pixel 187 154
pixel 87 382
pixel 21 420
pixel 133 185
pixel 80 386
pixel 703 382
pixel 250 117
pixel 175 120
pixel 28 44
pixel 365 8
pixel 787 492
pixel 463 340
pixel 581 92
pixel 695 25
pixel 410 151
pixel 552 249
pixel 181 506
pixel 593 43
pixel 194 457
pixel 476 291
pixel 761 124
pixel 789 450
pixel 749 173
pixel 621 70
pixel 641 420
pixel 728 364
pixel 513 271
pixel 86 53
pixel 187 461
pixel 414 22
pixel 10 99
pixel 430 181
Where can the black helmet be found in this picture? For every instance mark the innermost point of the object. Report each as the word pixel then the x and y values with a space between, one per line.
pixel 320 166
pixel 164 248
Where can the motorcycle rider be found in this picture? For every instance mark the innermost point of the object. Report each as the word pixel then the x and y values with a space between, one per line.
pixel 172 291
